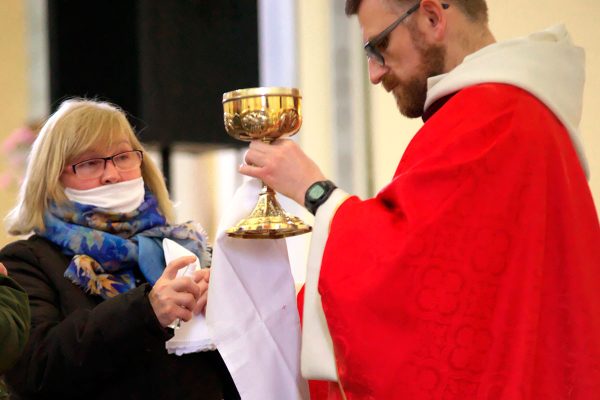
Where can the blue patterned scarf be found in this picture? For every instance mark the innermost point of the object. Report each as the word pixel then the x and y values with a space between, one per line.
pixel 108 247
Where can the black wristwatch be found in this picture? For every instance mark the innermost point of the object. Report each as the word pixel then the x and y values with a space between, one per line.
pixel 317 194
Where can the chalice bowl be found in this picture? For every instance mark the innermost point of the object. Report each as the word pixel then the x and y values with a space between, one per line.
pixel 264 113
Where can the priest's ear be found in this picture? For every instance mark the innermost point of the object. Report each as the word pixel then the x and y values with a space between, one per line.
pixel 433 19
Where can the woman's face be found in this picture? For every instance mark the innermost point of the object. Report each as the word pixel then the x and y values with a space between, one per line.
pixel 109 174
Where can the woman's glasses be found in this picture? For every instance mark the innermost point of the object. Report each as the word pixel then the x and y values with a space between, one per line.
pixel 94 167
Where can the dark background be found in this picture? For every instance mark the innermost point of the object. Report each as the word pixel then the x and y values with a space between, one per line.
pixel 166 62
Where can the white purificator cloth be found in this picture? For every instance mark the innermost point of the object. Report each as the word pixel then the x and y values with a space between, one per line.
pixel 251 313
pixel 191 336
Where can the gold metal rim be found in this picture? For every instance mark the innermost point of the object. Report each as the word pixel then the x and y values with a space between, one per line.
pixel 267 234
pixel 261 91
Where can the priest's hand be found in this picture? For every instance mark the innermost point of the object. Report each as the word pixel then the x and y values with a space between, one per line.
pixel 283 166
pixel 175 297
pixel 3 270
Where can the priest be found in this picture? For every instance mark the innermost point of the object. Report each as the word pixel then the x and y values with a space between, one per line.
pixel 475 273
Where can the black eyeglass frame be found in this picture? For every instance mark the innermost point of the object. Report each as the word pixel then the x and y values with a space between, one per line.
pixel 140 153
pixel 371 46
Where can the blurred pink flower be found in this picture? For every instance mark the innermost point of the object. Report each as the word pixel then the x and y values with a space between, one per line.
pixel 20 137
pixel 15 149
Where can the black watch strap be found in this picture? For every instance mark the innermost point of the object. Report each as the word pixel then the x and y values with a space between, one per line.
pixel 317 194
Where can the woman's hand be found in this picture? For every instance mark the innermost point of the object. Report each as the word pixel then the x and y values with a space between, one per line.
pixel 201 279
pixel 3 270
pixel 173 297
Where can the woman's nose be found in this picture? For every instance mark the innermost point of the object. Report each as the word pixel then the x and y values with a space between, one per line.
pixel 111 173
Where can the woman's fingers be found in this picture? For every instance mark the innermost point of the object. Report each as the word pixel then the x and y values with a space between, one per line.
pixel 169 303
pixel 175 297
pixel 187 285
pixel 202 275
pixel 185 304
pixel 171 269
pixel 201 301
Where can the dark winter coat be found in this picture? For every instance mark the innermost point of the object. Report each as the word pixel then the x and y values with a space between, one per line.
pixel 82 346
pixel 14 321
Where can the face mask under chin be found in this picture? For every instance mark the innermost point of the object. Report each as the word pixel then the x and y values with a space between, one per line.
pixel 119 197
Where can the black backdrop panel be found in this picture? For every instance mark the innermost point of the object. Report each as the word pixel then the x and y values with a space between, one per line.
pixel 93 51
pixel 199 50
pixel 167 63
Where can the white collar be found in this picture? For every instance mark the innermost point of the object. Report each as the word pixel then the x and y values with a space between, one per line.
pixel 546 64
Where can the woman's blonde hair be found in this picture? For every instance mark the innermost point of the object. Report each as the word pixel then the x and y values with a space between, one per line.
pixel 77 126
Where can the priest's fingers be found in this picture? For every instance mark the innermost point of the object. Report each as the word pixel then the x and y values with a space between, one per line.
pixel 256 150
pixel 284 167
pixel 258 146
pixel 258 153
pixel 171 269
pixel 250 170
pixel 252 159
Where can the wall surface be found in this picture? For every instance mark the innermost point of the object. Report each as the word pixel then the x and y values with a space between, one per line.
pixel 13 89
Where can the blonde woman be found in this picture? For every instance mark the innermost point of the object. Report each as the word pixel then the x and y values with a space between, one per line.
pixel 101 297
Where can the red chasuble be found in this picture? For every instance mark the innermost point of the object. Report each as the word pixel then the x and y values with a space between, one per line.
pixel 475 274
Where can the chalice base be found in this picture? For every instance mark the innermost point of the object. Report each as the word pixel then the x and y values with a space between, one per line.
pixel 268 221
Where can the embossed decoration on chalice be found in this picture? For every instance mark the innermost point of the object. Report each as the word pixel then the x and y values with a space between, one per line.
pixel 264 113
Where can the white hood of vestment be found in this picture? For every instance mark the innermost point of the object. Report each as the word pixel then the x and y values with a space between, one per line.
pixel 545 64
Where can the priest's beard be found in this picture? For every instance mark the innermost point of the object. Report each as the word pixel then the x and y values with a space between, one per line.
pixel 411 93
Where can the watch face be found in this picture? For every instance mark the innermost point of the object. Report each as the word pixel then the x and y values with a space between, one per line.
pixel 316 191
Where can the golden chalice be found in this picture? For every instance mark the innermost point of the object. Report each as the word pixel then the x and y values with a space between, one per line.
pixel 264 113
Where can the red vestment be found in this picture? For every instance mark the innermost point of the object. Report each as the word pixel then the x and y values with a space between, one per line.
pixel 475 274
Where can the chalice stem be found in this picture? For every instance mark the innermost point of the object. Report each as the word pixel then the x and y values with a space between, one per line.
pixel 267 204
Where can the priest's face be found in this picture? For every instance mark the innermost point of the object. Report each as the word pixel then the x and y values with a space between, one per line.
pixel 408 60
pixel 410 92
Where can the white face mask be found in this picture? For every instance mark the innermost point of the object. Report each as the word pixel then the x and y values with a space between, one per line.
pixel 119 197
